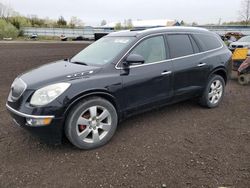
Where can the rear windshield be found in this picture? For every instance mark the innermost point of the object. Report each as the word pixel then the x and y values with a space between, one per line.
pixel 103 51
pixel 207 42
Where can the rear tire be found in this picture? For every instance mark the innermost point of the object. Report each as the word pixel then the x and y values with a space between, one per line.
pixel 214 92
pixel 91 123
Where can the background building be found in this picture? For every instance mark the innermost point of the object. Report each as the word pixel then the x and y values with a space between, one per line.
pixel 145 23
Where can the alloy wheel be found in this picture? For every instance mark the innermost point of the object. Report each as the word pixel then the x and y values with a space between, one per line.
pixel 215 92
pixel 94 124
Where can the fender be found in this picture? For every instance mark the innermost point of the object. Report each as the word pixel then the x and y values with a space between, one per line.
pixel 221 70
pixel 98 92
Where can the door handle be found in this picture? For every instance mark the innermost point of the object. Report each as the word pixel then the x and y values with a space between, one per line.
pixel 166 72
pixel 201 64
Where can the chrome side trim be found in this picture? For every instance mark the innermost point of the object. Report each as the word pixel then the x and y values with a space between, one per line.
pixel 27 115
pixel 167 60
pixel 166 73
pixel 201 65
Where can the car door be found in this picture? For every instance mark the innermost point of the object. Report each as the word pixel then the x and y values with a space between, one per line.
pixel 189 66
pixel 150 82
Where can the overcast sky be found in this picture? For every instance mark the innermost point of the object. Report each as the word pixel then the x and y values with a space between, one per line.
pixel 93 11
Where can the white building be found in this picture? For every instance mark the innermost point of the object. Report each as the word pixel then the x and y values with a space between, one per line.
pixel 146 23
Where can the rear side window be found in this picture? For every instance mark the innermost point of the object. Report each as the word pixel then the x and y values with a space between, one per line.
pixel 207 42
pixel 179 45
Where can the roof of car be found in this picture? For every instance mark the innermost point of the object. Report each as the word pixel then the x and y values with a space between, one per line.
pixel 145 32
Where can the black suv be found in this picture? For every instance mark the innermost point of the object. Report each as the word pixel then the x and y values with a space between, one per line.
pixel 121 74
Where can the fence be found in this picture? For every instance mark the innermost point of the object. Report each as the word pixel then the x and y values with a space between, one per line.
pixel 89 32
pixel 245 30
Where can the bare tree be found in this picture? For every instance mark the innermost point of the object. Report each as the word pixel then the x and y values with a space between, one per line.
pixel 61 22
pixel 7 11
pixel 194 24
pixel 118 26
pixel 2 10
pixel 75 22
pixel 245 11
pixel 129 24
pixel 103 22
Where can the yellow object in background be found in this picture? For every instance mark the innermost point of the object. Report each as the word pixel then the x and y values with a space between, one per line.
pixel 240 54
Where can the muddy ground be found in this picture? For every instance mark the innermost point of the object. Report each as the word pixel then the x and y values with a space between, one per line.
pixel 182 145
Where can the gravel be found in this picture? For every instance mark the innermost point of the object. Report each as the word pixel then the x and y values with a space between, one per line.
pixel 182 145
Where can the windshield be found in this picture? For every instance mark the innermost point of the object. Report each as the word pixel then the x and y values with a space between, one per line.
pixel 244 39
pixel 102 51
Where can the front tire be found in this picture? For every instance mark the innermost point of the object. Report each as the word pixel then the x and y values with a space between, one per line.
pixel 214 92
pixel 91 123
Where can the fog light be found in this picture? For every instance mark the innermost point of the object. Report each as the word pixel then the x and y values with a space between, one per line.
pixel 38 121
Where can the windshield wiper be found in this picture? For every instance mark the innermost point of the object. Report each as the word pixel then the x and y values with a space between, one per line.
pixel 78 62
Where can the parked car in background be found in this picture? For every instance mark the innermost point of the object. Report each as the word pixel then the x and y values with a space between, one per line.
pixel 34 36
pixel 78 38
pixel 63 38
pixel 243 42
pixel 121 74
pixel 233 35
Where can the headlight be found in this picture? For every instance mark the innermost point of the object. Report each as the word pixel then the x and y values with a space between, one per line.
pixel 47 94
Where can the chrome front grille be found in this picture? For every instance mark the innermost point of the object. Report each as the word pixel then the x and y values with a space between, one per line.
pixel 17 89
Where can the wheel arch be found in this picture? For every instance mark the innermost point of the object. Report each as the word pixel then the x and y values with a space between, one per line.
pixel 220 71
pixel 95 93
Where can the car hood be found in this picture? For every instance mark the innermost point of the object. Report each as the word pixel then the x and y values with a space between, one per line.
pixel 240 43
pixel 60 71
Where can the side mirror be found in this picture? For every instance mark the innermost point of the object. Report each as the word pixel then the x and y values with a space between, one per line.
pixel 134 59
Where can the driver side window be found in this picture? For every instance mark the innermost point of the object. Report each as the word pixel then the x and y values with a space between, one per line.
pixel 151 49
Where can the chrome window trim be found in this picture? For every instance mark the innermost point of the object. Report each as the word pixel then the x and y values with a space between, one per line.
pixel 167 60
pixel 25 87
pixel 27 115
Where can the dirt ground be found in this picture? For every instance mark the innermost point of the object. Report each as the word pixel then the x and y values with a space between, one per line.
pixel 182 145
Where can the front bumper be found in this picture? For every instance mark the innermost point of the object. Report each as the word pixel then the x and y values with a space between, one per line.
pixel 26 115
pixel 51 133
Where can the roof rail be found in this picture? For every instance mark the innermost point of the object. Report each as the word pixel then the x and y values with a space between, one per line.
pixel 143 28
pixel 138 29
